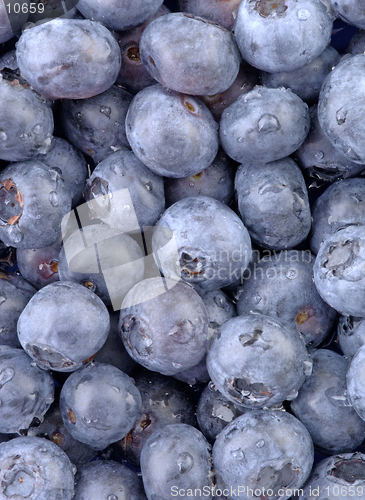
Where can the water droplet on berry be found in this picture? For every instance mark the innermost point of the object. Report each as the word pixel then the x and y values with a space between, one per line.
pixel 303 14
pixel 237 453
pixel 185 462
pixel 37 129
pixel 5 376
pixel 3 135
pixel 176 365
pixel 341 115
pixel 191 184
pixel 219 301
pixel 53 199
pixel 2 299
pixel 268 123
pixel 256 298
pixel 260 443
pixel 319 155
pixel 291 274
pixel 78 115
pixel 307 367
pixel 149 186
pixel 105 110
pixel 112 497
pixel 240 139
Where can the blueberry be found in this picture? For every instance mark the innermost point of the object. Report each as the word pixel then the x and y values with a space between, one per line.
pixel 190 54
pixel 222 13
pixel 281 285
pixel 26 123
pixel 340 111
pixel 99 405
pixel 273 202
pixel 182 456
pixel 26 391
pixel 263 453
pixel 63 325
pixel 59 69
pixel 96 126
pixel 107 479
pixel 12 21
pixel 35 467
pixel 283 36
pixel 184 138
pixel 339 273
pixel 355 382
pixel 350 334
pixel 351 11
pixel 323 398
pixel 256 361
pixel 212 243
pixel 164 325
pixel 357 43
pixel 265 124
pixel 119 16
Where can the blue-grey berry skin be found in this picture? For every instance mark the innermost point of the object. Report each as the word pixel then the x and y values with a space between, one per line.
pixel 34 198
pixel 109 264
pixel 264 125
pixel 96 126
pixel 164 325
pixel 339 274
pixel 10 22
pixel 26 126
pixel 355 382
pixel 174 457
pixel 58 69
pixel 26 391
pixel 340 475
pixel 263 450
pixel 283 36
pixel 183 140
pixel 63 326
pixel 340 112
pixel 99 405
pixel 357 43
pixel 319 159
pixel 190 54
pixel 119 171
pixel 256 361
pixel 350 334
pixel 71 163
pixel 273 203
pixel 15 293
pixel 350 11
pixel 340 205
pixel 323 399
pixel 33 467
pixel 307 81
pixel 281 285
pixel 109 480
pixel 213 247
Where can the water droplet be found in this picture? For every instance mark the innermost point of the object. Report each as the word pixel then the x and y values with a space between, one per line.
pixel 303 14
pixel 219 301
pixel 127 207
pixel 37 129
pixel 176 365
pixel 270 273
pixel 237 453
pixel 224 132
pixel 256 298
pixel 153 444
pixel 14 233
pixel 112 497
pixel 268 123
pixel 291 274
pixel 105 110
pixel 2 299
pixel 240 139
pixel 116 124
pixel 23 137
pixel 6 375
pixel 319 155
pixel 292 395
pixel 341 115
pixel 260 443
pixel 185 462
pixel 53 199
pixel 149 186
pixel 3 135
pixel 191 184
pixel 221 180
pixel 38 216
pixel 307 367
pixel 78 115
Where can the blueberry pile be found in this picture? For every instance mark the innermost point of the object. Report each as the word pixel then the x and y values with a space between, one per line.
pixel 182 249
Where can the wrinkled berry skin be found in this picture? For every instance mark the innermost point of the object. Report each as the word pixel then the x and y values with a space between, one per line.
pixel 339 274
pixel 120 15
pixel 263 449
pixel 281 285
pixel 339 206
pixel 62 70
pixel 164 325
pixel 96 126
pixel 99 405
pixel 213 245
pixel 33 467
pixel 107 479
pixel 184 138
pixel 182 456
pixel 283 35
pixel 264 125
pixel 256 361
pixel 342 473
pixel 26 123
pixel 75 324
pixel 26 391
pixel 322 399
pixel 340 112
pixel 33 200
pixel 273 203
pixel 190 54
pixel 15 293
